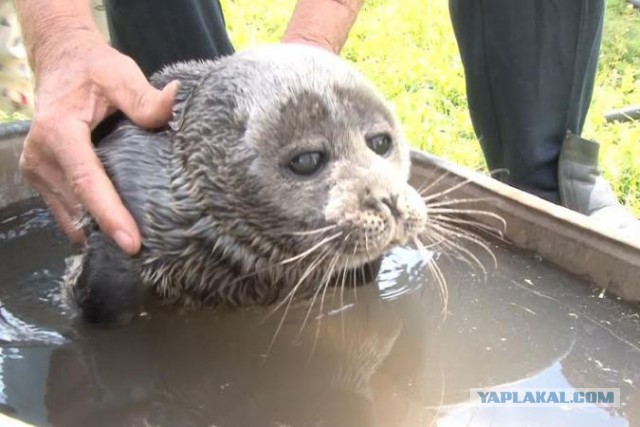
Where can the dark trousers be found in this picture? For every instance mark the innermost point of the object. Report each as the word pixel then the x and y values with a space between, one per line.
pixel 529 67
pixel 156 33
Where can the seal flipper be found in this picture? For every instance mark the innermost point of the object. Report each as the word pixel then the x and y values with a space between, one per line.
pixel 108 288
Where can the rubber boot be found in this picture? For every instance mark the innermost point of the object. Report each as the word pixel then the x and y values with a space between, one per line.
pixel 584 190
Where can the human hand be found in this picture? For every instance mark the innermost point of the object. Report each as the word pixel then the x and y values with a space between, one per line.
pixel 322 23
pixel 80 80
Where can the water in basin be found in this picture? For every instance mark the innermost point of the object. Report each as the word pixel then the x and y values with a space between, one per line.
pixel 385 355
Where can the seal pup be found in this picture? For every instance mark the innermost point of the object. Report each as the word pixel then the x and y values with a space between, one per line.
pixel 282 170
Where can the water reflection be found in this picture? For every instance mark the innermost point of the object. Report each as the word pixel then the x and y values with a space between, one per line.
pixel 386 356
pixel 403 271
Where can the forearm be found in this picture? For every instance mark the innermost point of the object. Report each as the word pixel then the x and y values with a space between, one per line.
pixel 47 23
pixel 323 22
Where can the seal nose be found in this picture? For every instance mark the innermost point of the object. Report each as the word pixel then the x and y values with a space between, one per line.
pixel 377 198
pixel 391 200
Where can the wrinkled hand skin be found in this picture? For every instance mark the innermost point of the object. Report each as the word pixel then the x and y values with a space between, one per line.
pixel 80 80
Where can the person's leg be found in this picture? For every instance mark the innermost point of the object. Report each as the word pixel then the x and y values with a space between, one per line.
pixel 530 67
pixel 156 33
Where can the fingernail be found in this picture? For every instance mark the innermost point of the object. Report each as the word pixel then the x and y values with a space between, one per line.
pixel 124 241
pixel 173 85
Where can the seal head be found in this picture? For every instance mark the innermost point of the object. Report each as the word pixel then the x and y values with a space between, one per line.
pixel 282 169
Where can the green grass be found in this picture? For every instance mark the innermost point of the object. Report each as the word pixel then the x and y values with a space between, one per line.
pixel 408 50
pixel 12 117
pixel 618 85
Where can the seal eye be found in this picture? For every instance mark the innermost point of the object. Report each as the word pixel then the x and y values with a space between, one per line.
pixel 306 163
pixel 380 144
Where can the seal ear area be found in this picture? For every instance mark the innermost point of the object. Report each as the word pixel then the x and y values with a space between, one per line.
pixel 108 288
pixel 179 107
pixel 189 75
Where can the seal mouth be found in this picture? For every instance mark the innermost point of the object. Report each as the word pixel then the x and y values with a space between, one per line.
pixel 343 245
pixel 366 246
pixel 359 238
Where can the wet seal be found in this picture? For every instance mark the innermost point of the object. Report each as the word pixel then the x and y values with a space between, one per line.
pixel 283 172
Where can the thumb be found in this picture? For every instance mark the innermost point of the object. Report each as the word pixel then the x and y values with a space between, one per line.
pixel 145 105
pixel 94 189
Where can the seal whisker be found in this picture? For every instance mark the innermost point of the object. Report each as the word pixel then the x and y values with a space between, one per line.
pixel 353 277
pixel 366 244
pixel 436 242
pixel 343 248
pixel 464 234
pixel 449 230
pixel 312 249
pixel 440 405
pixel 493 231
pixel 342 285
pixel 446 191
pixel 324 286
pixel 329 277
pixel 436 273
pixel 425 188
pixel 451 225
pixel 310 232
pixel 471 211
pixel 325 278
pixel 442 283
pixel 310 269
pixel 289 298
pixel 343 273
pixel 455 248
pixel 450 202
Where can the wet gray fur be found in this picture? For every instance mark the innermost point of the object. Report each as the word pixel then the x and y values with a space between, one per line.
pixel 218 208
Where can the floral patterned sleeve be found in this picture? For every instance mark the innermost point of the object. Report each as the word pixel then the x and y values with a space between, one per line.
pixel 16 80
